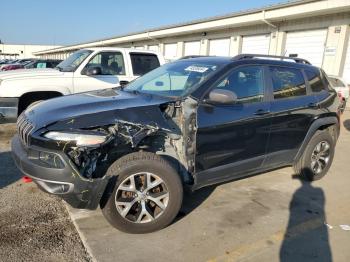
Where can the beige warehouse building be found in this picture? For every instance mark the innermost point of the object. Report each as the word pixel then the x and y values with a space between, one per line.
pixel 12 51
pixel 317 30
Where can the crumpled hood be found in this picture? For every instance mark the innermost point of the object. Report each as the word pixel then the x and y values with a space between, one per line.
pixel 97 108
pixel 29 73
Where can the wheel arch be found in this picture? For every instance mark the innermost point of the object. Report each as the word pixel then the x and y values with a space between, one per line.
pixel 319 124
pixel 160 144
pixel 30 97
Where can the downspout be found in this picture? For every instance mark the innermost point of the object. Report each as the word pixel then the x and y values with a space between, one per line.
pixel 152 38
pixel 267 22
pixel 273 33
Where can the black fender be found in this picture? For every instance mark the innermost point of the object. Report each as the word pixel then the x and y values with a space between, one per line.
pixel 317 125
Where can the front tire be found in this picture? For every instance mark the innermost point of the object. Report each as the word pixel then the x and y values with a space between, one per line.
pixel 317 157
pixel 147 194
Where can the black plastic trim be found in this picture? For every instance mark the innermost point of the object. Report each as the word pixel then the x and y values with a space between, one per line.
pixel 85 194
pixel 332 120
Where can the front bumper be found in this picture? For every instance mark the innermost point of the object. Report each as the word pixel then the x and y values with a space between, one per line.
pixel 8 110
pixel 64 180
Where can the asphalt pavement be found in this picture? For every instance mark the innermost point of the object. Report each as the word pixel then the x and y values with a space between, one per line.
pixel 34 226
pixel 268 217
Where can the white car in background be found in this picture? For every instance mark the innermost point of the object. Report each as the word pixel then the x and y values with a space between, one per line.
pixel 342 88
pixel 85 70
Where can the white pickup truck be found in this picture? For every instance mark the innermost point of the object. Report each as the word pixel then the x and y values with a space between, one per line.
pixel 85 70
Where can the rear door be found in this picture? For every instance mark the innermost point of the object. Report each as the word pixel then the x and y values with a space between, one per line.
pixel 293 108
pixel 232 139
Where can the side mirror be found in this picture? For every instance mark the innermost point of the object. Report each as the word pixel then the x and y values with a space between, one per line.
pixel 93 71
pixel 222 96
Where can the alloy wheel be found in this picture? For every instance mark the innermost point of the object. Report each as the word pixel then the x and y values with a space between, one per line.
pixel 320 157
pixel 141 197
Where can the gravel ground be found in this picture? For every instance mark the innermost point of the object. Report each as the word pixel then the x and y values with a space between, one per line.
pixel 34 226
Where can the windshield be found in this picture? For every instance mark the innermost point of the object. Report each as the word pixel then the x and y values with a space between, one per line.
pixel 335 82
pixel 179 78
pixel 73 61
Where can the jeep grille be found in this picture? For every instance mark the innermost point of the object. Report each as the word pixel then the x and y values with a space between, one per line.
pixel 24 129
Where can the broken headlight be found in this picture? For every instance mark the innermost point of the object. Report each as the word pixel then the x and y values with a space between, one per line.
pixel 79 139
pixel 51 159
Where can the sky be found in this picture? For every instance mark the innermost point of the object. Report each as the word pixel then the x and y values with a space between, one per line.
pixel 65 22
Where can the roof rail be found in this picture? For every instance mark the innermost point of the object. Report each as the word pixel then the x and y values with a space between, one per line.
pixel 251 56
pixel 191 56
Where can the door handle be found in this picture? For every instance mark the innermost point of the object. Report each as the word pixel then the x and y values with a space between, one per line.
pixel 262 112
pixel 312 105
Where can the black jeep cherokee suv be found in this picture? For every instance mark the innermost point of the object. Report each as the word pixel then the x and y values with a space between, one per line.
pixel 193 122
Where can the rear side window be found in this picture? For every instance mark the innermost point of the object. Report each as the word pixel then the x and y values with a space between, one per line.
pixel 315 81
pixel 287 82
pixel 142 63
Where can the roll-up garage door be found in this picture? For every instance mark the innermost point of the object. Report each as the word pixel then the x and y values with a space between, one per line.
pixel 219 47
pixel 346 72
pixel 170 51
pixel 256 44
pixel 153 48
pixel 307 44
pixel 192 48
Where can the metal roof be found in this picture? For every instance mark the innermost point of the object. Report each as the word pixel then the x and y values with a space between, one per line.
pixel 197 21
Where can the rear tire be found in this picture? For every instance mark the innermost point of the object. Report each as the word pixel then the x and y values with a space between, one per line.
pixel 151 190
pixel 317 157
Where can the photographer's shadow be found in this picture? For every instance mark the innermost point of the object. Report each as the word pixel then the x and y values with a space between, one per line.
pixel 306 237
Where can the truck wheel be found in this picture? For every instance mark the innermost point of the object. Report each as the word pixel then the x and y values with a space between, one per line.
pixel 317 157
pixel 147 194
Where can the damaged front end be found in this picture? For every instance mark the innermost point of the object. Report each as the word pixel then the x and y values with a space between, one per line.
pixel 120 138
pixel 86 146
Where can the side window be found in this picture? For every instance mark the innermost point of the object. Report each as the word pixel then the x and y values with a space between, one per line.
pixel 247 82
pixel 111 63
pixel 142 63
pixel 287 82
pixel 315 81
pixel 41 65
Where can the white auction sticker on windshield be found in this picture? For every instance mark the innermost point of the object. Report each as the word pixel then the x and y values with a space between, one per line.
pixel 199 69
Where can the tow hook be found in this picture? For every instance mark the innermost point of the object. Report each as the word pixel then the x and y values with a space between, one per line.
pixel 27 179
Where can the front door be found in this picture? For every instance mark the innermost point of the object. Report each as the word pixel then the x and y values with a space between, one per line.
pixel 232 139
pixel 113 71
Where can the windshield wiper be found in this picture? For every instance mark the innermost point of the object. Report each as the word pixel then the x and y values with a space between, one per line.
pixel 135 91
